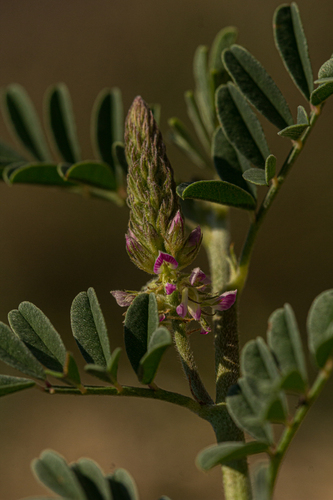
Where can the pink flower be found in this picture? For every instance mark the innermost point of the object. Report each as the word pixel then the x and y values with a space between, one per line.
pixel 225 301
pixel 124 299
pixel 170 288
pixel 198 276
pixel 164 258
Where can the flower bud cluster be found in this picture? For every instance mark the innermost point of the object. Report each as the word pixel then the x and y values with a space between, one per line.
pixel 156 223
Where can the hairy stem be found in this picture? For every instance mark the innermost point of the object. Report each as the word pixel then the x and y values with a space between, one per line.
pixel 299 416
pixel 267 202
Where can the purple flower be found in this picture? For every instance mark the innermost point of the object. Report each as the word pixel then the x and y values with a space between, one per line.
pixel 225 301
pixel 182 308
pixel 198 275
pixel 161 318
pixel 164 258
pixel 124 299
pixel 169 288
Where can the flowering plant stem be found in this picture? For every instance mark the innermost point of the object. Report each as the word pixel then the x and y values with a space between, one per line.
pixel 277 182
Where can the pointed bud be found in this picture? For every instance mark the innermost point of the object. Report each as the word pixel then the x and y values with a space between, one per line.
pixel 175 235
pixel 139 254
pixel 190 248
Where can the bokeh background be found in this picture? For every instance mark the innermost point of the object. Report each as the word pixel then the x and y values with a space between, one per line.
pixel 54 245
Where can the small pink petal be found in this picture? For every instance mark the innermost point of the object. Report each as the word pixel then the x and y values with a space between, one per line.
pixel 198 275
pixel 195 310
pixel 176 221
pixel 167 258
pixel 124 299
pixel 204 332
pixel 181 310
pixel 194 237
pixel 161 317
pixel 169 288
pixel 226 300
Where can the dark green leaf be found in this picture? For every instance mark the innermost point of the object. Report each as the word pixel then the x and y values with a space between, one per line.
pixel 122 485
pixel 226 452
pixel 302 116
pixel 23 120
pixel 181 137
pixel 89 329
pixel 256 176
pixel 92 480
pixel 240 125
pixel 118 151
pixel 292 45
pixel 112 367
pixel 262 489
pixel 8 155
pixel 160 340
pixel 322 93
pixel 35 173
pixel 257 86
pixel 203 91
pixel 226 161
pixel 223 40
pixel 9 384
pixel 41 327
pixel 194 116
pixel 71 371
pixel 218 192
pixel 52 470
pixel 36 344
pixel 153 317
pixel 294 132
pixel 107 123
pixel 284 340
pixel 14 352
pixel 258 361
pixel 320 327
pixel 93 173
pixel 62 122
pixel 270 168
pixel 245 408
pixel 136 327
pixel 326 70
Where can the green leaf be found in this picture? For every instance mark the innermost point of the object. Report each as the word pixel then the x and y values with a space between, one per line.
pixel 226 452
pixel 62 122
pixel 203 91
pixel 153 317
pixel 92 480
pixel 8 384
pixel 240 125
pixel 136 329
pixel 217 192
pixel 23 121
pixel 98 371
pixel 41 347
pixel 8 155
pixel 38 330
pixel 14 352
pixel 226 161
pixel 35 173
pixel 122 485
pixel 107 124
pixel 284 340
pixel 302 116
pixel 89 329
pixel 71 371
pixel 292 46
pixel 118 151
pixel 294 132
pixel 320 94
pixel 52 470
pixel 320 327
pixel 245 408
pixel 112 367
pixel 194 115
pixel 257 86
pixel 223 40
pixel 160 340
pixel 256 176
pixel 326 70
pixel 262 487
pixel 258 361
pixel 270 168
pixel 108 374
pixel 92 173
pixel 181 138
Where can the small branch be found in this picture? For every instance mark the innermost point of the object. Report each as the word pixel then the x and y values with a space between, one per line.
pixel 267 202
pixel 136 392
pixel 299 416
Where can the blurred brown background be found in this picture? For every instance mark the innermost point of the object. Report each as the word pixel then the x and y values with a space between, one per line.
pixel 53 244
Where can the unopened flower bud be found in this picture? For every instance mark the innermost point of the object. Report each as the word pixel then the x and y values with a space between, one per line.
pixel 190 248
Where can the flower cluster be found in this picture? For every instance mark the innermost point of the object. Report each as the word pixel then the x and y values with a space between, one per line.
pixel 179 295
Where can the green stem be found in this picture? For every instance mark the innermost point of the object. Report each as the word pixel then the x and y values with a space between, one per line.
pixel 299 416
pixel 137 392
pixel 189 366
pixel 216 242
pixel 268 200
